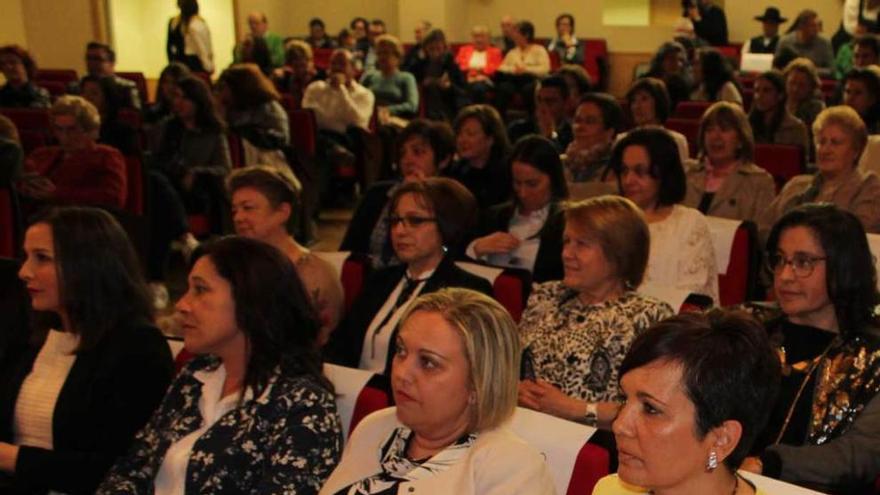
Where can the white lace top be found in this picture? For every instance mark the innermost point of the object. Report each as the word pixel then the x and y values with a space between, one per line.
pixel 682 256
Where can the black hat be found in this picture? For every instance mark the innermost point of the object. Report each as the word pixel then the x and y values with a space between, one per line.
pixel 771 15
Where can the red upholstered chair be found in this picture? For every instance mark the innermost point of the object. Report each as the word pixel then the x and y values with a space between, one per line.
pixel 358 393
pixel 738 280
pixel 64 76
pixel 353 269
pixel 32 139
pixel 510 286
pixel 691 109
pixel 321 57
pixel 139 81
pixel 554 61
pixel 591 465
pixel 781 160
pixel 134 201
pixel 690 128
pixel 10 223
pixel 370 400
pixel 55 88
pixel 596 61
pixel 29 118
pixel 303 130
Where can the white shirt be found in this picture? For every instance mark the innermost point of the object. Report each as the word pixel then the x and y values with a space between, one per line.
pixel 197 41
pixel 35 406
pixel 525 228
pixel 171 478
pixel 377 339
pixel 337 108
pixel 682 255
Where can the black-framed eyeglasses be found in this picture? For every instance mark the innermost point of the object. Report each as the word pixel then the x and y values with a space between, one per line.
pixel 410 222
pixel 802 265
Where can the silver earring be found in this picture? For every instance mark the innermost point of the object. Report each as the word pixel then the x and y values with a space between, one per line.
pixel 713 461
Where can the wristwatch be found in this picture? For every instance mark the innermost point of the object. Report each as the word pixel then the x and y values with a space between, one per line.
pixel 591 414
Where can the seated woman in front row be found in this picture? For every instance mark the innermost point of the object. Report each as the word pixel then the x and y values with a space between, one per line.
pixel 427 224
pixel 575 332
pixel 824 431
pixel 649 172
pixel 253 413
pixel 527 232
pixel 697 389
pixel 454 382
pixel 93 368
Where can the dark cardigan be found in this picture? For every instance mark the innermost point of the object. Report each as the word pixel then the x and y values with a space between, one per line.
pixel 109 394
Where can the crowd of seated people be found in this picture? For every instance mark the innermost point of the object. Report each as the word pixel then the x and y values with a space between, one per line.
pixel 494 158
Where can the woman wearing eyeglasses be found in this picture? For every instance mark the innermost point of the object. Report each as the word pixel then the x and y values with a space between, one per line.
pixel 427 220
pixel 824 431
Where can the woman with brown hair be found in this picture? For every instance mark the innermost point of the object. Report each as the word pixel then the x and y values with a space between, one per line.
pixel 19 68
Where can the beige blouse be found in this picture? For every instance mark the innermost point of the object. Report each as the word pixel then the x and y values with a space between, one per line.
pixel 743 195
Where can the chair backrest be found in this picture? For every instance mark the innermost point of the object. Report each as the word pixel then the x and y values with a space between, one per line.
pixel 139 81
pixel 510 286
pixel 357 394
pixel 555 61
pixel 690 128
pixel 64 76
pixel 10 223
pixel 134 202
pixel 736 255
pixel 776 487
pixel 33 124
pixel 321 57
pixel 574 464
pixel 353 269
pixel 691 109
pixel 782 161
pixel 303 130
pixel 596 61
pixel 55 88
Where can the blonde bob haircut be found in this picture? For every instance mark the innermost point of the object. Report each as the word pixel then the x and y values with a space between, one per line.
pixel 297 49
pixel 619 227
pixel 727 115
pixel 491 347
pixel 846 118
pixel 392 41
pixel 87 116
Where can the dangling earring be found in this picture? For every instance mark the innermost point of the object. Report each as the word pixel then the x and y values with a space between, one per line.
pixel 712 462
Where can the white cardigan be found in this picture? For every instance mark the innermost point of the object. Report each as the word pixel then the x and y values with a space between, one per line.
pixel 499 463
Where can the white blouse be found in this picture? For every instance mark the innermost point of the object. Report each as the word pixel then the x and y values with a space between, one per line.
pixel 35 406
pixel 682 256
pixel 171 478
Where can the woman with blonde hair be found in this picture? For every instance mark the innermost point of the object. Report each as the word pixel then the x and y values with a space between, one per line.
pixel 576 331
pixel 454 379
pixel 803 90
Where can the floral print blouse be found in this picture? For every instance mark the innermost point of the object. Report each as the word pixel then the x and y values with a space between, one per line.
pixel 579 348
pixel 287 440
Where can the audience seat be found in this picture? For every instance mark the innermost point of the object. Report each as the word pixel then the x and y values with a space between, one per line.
pixel 555 61
pixel 510 286
pixel 139 81
pixel 737 256
pixel 691 109
pixel 32 139
pixel 64 76
pixel 321 57
pixel 353 270
pixel 732 53
pixel 33 124
pixel 10 223
pixel 781 160
pixel 132 118
pixel 303 130
pixel 596 62
pixel 575 465
pixel 690 128
pixel 358 393
pixel 55 88
pixel 829 87
pixel 134 202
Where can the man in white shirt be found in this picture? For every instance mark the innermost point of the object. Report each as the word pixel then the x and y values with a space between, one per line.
pixel 340 101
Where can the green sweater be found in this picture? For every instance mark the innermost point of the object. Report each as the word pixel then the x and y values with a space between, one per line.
pixel 276 50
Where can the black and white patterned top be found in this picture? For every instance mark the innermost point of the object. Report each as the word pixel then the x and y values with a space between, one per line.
pixel 287 440
pixel 398 468
pixel 580 348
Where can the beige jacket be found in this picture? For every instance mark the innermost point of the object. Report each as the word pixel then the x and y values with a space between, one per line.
pixel 859 194
pixel 742 196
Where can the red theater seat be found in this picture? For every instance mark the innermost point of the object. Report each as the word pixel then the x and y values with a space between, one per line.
pixel 64 76
pixel 691 109
pixel 139 81
pixel 690 128
pixel 781 160
pixel 303 130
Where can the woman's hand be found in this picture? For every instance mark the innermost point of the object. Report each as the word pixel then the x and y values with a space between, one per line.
pixel 546 398
pixel 8 457
pixel 495 243
pixel 752 465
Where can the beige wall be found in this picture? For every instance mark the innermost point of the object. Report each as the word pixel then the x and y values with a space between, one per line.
pixel 57 31
pixel 289 18
pixel 12 23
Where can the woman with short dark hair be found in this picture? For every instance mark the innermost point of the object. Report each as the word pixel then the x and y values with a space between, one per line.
pixel 575 332
pixel 424 148
pixel 649 172
pixel 670 65
pixel 19 68
pixel 527 232
pixel 823 430
pixel 648 104
pixel 95 367
pixel 428 221
pixel 708 379
pixel 253 413
pixel 481 146
pixel 440 79
pixel 568 48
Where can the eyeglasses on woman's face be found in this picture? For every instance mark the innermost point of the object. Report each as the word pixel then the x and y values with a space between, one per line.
pixel 802 265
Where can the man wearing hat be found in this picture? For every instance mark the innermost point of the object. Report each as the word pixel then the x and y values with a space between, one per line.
pixel 766 43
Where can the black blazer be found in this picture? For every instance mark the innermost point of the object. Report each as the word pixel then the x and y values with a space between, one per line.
pixel 347 341
pixel 548 262
pixel 365 218
pixel 110 393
